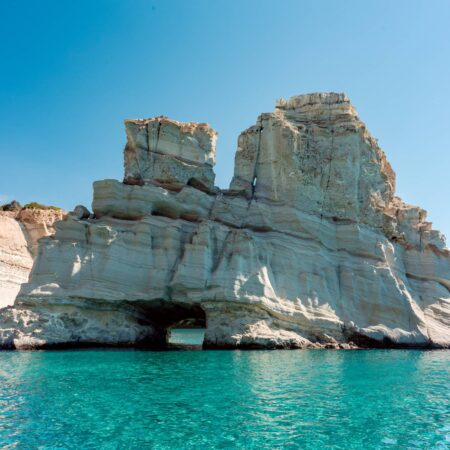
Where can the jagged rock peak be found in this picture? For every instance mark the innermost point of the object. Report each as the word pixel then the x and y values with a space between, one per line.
pixel 315 154
pixel 320 107
pixel 185 127
pixel 315 98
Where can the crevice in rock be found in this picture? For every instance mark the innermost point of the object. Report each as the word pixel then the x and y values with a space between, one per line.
pixel 218 257
pixel 330 161
pixel 178 260
pixel 255 169
pixel 158 132
pixel 254 186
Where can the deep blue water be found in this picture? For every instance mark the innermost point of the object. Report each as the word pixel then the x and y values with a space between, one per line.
pixel 308 399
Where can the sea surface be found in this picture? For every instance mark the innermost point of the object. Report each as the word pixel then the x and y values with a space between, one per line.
pixel 299 399
pixel 187 336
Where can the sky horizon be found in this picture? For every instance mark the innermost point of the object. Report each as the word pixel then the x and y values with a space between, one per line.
pixel 73 71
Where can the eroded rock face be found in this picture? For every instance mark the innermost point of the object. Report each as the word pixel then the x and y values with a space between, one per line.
pixel 15 259
pixel 309 247
pixel 38 223
pixel 20 230
pixel 313 153
pixel 170 153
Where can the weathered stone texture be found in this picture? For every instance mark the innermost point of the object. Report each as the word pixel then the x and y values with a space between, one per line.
pixel 309 247
pixel 20 230
pixel 169 153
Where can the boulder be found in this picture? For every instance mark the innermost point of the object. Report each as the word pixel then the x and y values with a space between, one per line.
pixel 80 212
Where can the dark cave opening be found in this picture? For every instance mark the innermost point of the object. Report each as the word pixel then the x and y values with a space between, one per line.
pixel 189 331
pixel 182 326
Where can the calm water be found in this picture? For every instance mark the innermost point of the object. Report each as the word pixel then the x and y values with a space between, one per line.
pixel 311 399
pixel 187 336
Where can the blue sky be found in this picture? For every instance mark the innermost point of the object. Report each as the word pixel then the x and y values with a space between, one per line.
pixel 72 71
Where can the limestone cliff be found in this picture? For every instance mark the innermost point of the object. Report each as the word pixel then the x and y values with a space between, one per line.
pixel 20 230
pixel 309 247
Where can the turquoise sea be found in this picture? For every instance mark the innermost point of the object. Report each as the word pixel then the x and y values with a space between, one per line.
pixel 299 399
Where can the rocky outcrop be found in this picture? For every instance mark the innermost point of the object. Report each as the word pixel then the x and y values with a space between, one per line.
pixel 20 230
pixel 309 247
pixel 170 153
pixel 15 259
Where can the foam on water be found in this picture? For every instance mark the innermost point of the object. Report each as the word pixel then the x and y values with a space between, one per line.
pixel 225 399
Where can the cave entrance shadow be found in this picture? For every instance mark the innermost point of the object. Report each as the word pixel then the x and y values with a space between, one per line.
pixel 183 325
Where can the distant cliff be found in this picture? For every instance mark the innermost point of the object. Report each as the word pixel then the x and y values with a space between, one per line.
pixel 20 230
pixel 309 247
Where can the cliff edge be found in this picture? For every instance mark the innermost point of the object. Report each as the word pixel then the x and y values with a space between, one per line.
pixel 20 230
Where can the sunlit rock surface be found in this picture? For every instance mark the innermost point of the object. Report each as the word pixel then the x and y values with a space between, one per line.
pixel 309 247
pixel 170 153
pixel 20 231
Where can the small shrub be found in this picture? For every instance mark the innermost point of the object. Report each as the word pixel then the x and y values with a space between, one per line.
pixel 36 205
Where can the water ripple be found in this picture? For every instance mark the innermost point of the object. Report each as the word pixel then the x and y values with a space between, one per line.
pixel 225 399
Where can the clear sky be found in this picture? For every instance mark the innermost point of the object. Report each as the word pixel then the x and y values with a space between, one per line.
pixel 71 71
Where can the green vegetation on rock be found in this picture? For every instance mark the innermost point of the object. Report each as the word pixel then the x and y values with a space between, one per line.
pixel 35 205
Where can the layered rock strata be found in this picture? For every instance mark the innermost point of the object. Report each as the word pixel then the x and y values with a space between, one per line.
pixel 309 247
pixel 20 230
pixel 170 153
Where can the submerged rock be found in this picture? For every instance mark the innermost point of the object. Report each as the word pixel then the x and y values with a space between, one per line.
pixel 309 247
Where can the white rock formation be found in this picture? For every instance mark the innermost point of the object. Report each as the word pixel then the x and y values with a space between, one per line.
pixel 19 233
pixel 309 247
pixel 170 153
pixel 15 259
